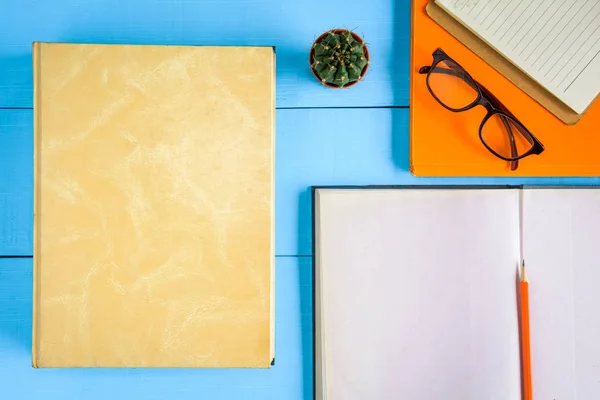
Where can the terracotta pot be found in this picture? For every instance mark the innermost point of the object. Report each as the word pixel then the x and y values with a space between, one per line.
pixel 312 54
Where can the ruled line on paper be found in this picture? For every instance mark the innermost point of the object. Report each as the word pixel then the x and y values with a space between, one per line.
pixel 571 44
pixel 584 68
pixel 462 4
pixel 499 15
pixel 581 58
pixel 524 24
pixel 529 3
pixel 474 7
pixel 482 8
pixel 508 18
pixel 531 27
pixel 538 32
pixel 561 43
pixel 490 13
pixel 561 31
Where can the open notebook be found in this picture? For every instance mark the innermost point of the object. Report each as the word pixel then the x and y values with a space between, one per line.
pixel 416 292
pixel 556 43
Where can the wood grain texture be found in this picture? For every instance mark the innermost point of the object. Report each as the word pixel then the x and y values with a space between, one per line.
pixel 290 378
pixel 313 147
pixel 292 26
pixel 348 147
pixel 16 182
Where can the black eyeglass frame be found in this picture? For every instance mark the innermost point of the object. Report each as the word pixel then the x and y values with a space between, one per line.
pixel 486 99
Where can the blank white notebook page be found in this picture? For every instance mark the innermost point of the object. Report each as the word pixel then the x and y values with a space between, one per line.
pixel 416 294
pixel 561 236
pixel 555 42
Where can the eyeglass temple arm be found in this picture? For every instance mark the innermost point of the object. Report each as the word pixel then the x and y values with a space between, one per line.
pixel 513 148
pixel 511 137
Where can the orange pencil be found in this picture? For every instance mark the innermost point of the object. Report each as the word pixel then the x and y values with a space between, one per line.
pixel 525 340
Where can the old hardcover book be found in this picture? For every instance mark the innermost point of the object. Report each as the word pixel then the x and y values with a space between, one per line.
pixel 154 206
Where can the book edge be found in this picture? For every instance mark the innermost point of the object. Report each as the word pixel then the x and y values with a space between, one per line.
pixel 411 115
pixel 36 59
pixel 272 231
pixel 474 170
pixel 319 367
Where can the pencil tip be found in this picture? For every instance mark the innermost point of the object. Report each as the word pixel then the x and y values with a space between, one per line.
pixel 523 272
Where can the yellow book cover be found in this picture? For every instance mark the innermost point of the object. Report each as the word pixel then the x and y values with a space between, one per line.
pixel 154 200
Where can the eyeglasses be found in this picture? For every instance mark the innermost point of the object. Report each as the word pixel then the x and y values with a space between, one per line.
pixel 500 131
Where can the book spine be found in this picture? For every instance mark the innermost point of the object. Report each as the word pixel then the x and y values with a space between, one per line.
pixel 412 82
pixel 36 56
pixel 272 201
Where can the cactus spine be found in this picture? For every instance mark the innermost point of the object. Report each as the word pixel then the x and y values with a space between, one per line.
pixel 339 59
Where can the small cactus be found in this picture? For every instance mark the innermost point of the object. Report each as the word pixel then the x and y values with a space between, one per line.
pixel 339 59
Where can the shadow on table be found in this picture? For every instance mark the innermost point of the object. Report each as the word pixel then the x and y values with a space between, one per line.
pixel 400 140
pixel 306 291
pixel 16 290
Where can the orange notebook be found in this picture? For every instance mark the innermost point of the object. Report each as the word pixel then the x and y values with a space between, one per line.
pixel 445 143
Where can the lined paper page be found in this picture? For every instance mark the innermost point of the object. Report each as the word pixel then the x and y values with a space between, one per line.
pixel 555 42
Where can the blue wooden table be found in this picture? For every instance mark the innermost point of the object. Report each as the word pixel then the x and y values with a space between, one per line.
pixel 324 136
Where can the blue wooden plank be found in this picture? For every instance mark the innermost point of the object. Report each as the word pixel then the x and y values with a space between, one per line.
pixel 348 147
pixel 16 182
pixel 314 147
pixel 290 25
pixel 289 379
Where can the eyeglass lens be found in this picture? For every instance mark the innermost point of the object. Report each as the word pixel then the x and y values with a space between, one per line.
pixel 454 88
pixel 500 130
pixel 451 85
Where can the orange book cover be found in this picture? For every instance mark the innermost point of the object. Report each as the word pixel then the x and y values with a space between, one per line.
pixel 446 143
